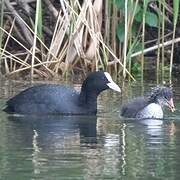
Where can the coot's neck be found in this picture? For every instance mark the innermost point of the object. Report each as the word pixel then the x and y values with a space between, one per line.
pixel 156 101
pixel 88 99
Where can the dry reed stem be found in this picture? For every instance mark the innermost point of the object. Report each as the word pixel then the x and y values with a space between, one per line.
pixel 26 33
pixel 42 43
pixel 84 27
pixel 26 49
pixel 77 36
pixel 167 43
pixel 15 58
pixel 125 39
pixel 84 21
pixel 35 65
pixel 5 45
pixel 35 38
pixel 61 27
pixel 172 53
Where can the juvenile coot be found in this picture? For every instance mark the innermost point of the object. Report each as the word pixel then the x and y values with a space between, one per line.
pixel 150 106
pixel 58 99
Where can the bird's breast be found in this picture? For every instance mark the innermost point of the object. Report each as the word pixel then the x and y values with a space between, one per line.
pixel 152 110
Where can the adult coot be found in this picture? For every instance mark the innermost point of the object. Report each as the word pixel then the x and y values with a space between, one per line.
pixel 58 99
pixel 150 106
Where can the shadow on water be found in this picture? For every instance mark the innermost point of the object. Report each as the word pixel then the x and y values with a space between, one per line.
pixel 51 130
pixel 34 146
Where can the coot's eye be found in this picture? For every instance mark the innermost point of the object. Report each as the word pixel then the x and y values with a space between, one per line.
pixel 168 96
pixel 105 79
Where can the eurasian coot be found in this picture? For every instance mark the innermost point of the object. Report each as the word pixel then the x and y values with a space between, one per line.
pixel 58 99
pixel 150 106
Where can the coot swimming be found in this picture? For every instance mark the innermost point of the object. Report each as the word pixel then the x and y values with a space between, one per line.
pixel 58 99
pixel 150 106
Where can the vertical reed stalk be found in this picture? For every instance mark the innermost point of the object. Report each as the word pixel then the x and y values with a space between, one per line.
pixel 171 58
pixel 130 25
pixel 38 5
pixel 120 54
pixel 143 39
pixel 129 57
pixel 107 24
pixel 130 44
pixel 114 24
pixel 163 28
pixel 104 61
pixel 159 50
pixel 1 25
pixel 125 38
pixel 113 28
pixel 1 21
pixel 175 13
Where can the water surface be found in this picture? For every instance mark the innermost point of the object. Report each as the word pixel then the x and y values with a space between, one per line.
pixel 105 146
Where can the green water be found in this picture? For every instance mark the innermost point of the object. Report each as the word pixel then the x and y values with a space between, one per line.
pixel 87 147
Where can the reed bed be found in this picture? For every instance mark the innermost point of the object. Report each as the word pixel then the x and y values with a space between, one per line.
pixel 57 38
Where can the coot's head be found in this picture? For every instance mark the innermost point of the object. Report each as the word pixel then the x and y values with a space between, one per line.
pixel 163 96
pixel 99 81
pixel 92 86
